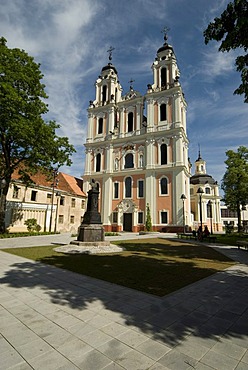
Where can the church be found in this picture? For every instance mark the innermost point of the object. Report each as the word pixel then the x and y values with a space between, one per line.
pixel 137 149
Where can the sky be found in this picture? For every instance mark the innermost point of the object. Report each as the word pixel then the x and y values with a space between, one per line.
pixel 70 39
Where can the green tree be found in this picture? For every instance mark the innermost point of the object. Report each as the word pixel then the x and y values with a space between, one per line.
pixel 27 142
pixel 231 29
pixel 32 225
pixel 148 218
pixel 235 181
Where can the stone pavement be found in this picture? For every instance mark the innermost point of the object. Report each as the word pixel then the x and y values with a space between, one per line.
pixel 54 319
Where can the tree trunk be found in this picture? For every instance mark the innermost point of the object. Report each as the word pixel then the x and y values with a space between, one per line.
pixel 3 196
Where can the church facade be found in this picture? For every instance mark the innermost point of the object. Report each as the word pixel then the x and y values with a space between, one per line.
pixel 137 149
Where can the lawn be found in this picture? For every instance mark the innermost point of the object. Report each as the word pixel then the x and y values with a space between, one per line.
pixel 155 266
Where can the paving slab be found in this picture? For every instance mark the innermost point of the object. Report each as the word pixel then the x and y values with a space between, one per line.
pixel 56 319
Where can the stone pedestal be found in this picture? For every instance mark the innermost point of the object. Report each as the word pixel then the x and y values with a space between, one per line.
pixel 91 233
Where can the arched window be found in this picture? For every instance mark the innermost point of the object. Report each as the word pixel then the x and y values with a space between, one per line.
pixel 129 161
pixel 207 191
pixel 163 186
pixel 163 153
pixel 128 187
pixel 163 78
pixel 98 162
pixel 100 126
pixel 163 112
pixel 104 93
pixel 130 122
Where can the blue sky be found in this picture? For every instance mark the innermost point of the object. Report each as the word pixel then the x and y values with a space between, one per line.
pixel 70 39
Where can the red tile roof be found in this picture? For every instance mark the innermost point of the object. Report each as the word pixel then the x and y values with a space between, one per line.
pixel 67 183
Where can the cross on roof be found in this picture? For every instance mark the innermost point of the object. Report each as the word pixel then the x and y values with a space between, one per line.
pixel 131 82
pixel 165 30
pixel 110 52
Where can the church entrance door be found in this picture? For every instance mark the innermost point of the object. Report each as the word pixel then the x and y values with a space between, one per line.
pixel 127 221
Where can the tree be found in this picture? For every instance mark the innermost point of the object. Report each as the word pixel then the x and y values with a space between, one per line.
pixel 148 218
pixel 27 142
pixel 231 28
pixel 235 181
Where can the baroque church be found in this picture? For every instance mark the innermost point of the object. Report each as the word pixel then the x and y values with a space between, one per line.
pixel 137 149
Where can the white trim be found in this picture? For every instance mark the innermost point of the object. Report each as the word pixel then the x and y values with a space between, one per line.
pixel 160 194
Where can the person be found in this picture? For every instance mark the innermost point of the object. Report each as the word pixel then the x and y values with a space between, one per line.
pixel 199 233
pixel 206 232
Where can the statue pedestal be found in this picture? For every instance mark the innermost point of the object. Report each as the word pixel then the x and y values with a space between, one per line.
pixel 91 233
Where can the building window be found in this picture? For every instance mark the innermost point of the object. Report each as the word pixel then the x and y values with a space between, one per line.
pixel 62 201
pixel 140 217
pixel 98 162
pixel 163 154
pixel 34 195
pixel 72 219
pixel 163 115
pixel 128 187
pixel 163 78
pixel 73 202
pixel 115 217
pixel 100 126
pixel 49 197
pixel 207 190
pixel 163 186
pixel 104 93
pixel 82 204
pixel 116 190
pixel 16 192
pixel 164 217
pixel 130 122
pixel 140 188
pixel 129 161
pixel 61 219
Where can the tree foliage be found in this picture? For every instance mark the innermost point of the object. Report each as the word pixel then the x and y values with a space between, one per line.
pixel 231 29
pixel 27 142
pixel 235 180
pixel 148 218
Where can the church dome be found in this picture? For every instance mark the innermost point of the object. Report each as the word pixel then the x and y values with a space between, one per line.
pixel 110 66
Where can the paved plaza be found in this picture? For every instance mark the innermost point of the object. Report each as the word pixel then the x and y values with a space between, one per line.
pixel 55 319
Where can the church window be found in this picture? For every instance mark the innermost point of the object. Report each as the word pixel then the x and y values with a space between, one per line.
pixel 116 190
pixel 140 188
pixel 130 122
pixel 104 93
pixel 129 161
pixel 163 112
pixel 100 126
pixel 128 187
pixel 140 217
pixel 207 191
pixel 98 162
pixel 163 153
pixel 163 78
pixel 115 217
pixel 164 217
pixel 163 186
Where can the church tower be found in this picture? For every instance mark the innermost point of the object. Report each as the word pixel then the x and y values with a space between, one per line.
pixel 205 198
pixel 140 160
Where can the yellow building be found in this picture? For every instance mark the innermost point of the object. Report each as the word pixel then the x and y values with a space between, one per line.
pixel 57 204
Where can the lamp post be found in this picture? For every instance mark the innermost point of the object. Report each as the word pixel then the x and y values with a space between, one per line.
pixel 2 211
pixel 211 215
pixel 56 215
pixel 54 183
pixel 243 209
pixel 200 192
pixel 183 197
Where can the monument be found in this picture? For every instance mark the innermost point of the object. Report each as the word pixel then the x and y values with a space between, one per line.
pixel 91 229
pixel 91 238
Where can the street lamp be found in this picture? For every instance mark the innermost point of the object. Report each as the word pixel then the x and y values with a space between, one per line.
pixel 54 184
pixel 56 215
pixel 2 210
pixel 183 197
pixel 243 209
pixel 211 215
pixel 200 192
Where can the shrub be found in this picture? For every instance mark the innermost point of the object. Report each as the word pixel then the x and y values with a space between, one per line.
pixel 148 218
pixel 32 225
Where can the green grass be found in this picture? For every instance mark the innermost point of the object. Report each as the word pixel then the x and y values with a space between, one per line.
pixel 156 266
pixel 231 239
